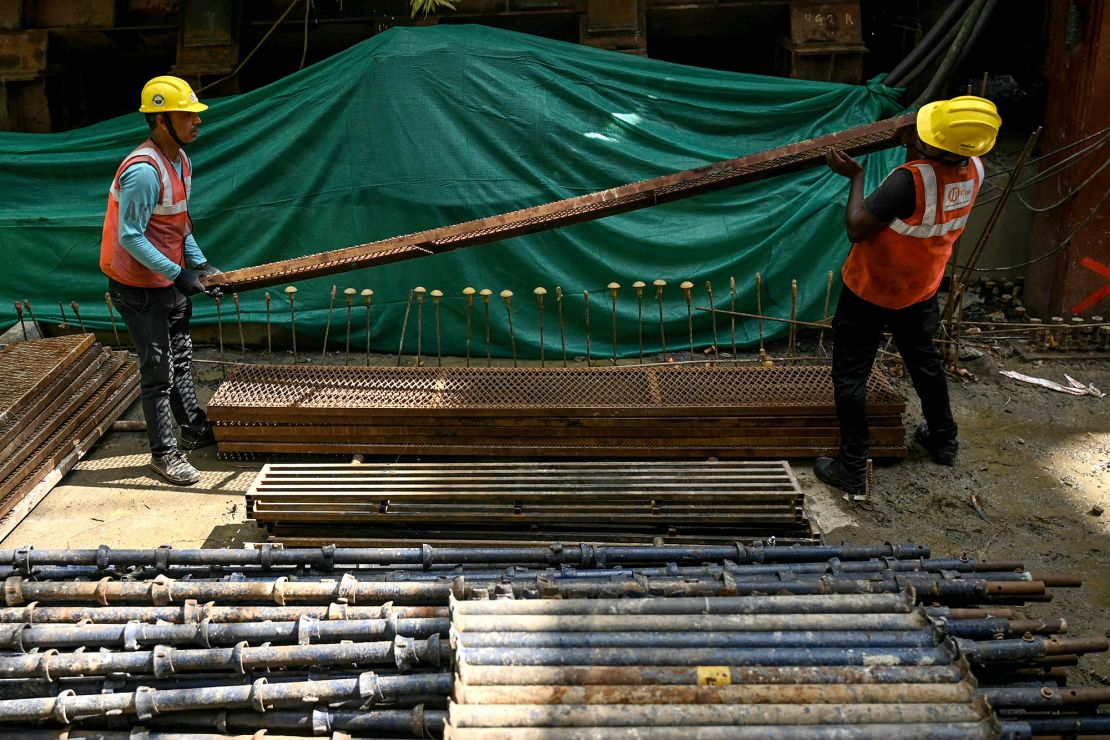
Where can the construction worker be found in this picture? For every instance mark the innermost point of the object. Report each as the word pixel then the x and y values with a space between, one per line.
pixel 153 265
pixel 902 236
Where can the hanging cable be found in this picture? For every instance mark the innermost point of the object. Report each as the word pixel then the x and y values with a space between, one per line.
pixel 256 47
pixel 1051 171
pixel 1098 134
pixel 304 52
pixel 1057 248
pixel 1070 193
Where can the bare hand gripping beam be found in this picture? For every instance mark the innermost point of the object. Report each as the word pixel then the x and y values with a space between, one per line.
pixel 718 176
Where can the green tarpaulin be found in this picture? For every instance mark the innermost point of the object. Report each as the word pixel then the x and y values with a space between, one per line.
pixel 419 128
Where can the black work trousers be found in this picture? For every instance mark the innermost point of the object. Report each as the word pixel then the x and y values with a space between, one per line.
pixel 858 329
pixel 158 319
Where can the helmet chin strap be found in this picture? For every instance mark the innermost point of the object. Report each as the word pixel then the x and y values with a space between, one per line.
pixel 170 128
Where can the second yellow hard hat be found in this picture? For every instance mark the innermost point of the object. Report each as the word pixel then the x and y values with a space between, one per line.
pixel 966 125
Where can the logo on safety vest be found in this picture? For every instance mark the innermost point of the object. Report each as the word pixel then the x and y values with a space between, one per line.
pixel 958 195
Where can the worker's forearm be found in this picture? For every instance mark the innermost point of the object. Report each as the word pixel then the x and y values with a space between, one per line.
pixel 857 219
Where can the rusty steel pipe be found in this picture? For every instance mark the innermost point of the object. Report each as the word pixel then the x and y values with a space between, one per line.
pixel 986 729
pixel 191 612
pixel 470 625
pixel 166 661
pixel 698 640
pixel 892 693
pixel 612 716
pixel 368 687
pixel 306 631
pixel 426 555
pixel 416 722
pixel 642 675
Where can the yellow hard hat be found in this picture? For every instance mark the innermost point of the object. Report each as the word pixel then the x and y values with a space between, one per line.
pixel 166 93
pixel 966 125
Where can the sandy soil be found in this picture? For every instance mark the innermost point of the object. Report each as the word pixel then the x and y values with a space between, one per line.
pixel 1036 461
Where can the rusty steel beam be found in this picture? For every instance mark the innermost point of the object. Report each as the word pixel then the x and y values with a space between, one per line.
pixel 718 176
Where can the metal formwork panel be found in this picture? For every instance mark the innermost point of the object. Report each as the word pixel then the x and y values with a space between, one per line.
pixel 29 367
pixel 717 176
pixel 261 393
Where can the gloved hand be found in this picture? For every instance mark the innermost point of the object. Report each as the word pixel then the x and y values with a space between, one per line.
pixel 207 269
pixel 188 282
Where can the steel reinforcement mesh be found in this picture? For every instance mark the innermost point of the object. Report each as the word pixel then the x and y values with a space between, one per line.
pixel 28 367
pixel 634 390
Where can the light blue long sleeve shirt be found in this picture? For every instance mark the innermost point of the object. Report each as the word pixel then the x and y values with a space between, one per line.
pixel 139 187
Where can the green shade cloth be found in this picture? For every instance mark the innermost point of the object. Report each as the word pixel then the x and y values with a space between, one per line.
pixel 423 127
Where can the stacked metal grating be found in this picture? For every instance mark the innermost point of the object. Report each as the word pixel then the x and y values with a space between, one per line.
pixel 58 397
pixel 653 412
pixel 539 502
pixel 833 641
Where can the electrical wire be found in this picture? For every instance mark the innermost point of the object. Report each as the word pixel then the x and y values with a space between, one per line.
pixel 1070 193
pixel 304 52
pixel 1102 133
pixel 1054 250
pixel 1051 171
pixel 257 46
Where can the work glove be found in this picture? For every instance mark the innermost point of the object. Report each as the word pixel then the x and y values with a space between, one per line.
pixel 188 282
pixel 207 269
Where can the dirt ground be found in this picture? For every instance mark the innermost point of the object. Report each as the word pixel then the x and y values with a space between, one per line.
pixel 1037 462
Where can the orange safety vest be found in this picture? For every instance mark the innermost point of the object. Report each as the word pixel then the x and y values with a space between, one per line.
pixel 168 225
pixel 904 262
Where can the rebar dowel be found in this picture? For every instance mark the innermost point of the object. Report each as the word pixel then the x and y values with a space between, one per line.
pixel 562 327
pixel 404 327
pixel 639 288
pixel 793 317
pixel 269 338
pixel 327 324
pixel 825 311
pixel 30 313
pixel 19 313
pixel 111 315
pixel 709 297
pixel 540 292
pixel 291 291
pixel 419 291
pixel 659 285
pixel 586 305
pixel 62 313
pixel 507 296
pixel 613 288
pixel 349 298
pixel 687 286
pixel 469 293
pixel 219 328
pixel 367 298
pixel 436 295
pixel 77 313
pixel 486 293
pixel 759 308
pixel 732 307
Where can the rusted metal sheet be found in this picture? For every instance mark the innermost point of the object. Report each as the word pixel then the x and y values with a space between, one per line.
pixel 71 14
pixel 726 174
pixel 22 54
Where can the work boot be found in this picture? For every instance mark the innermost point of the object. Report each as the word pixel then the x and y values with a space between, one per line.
pixel 175 468
pixel 832 471
pixel 194 441
pixel 943 452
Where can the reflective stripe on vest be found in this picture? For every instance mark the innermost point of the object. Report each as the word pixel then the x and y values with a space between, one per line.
pixel 904 262
pixel 166 205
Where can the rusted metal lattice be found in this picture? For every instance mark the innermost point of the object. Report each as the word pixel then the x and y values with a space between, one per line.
pixel 627 412
pixel 718 176
pixel 65 392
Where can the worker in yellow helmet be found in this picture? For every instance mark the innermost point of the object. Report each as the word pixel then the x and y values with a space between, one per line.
pixel 902 236
pixel 153 264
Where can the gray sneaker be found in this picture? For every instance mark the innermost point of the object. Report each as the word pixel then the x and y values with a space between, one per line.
pixel 175 468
